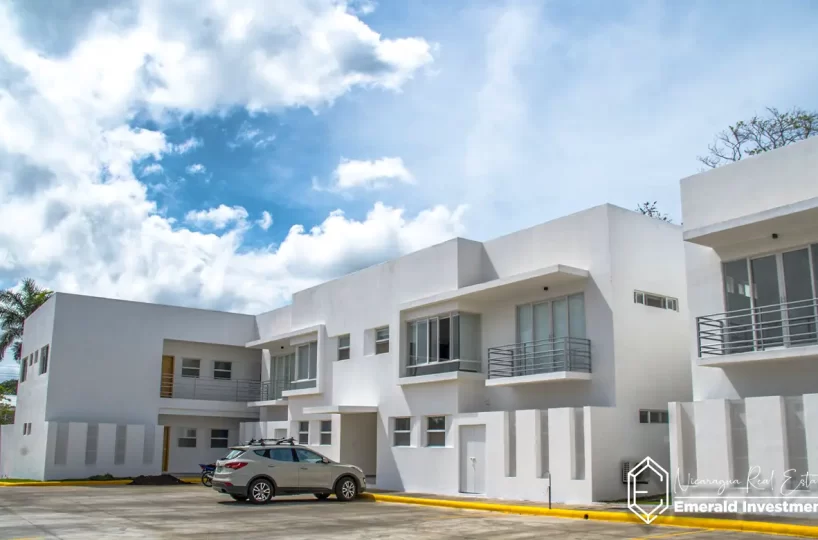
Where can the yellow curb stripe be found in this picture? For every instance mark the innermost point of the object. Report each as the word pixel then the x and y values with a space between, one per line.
pixel 786 529
pixel 83 483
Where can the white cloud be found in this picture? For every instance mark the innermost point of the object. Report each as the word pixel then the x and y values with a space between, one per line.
pixel 196 168
pixel 218 218
pixel 254 137
pixel 153 168
pixel 92 227
pixel 266 220
pixel 372 174
pixel 186 146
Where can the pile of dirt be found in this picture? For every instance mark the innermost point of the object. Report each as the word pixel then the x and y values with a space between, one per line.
pixel 160 480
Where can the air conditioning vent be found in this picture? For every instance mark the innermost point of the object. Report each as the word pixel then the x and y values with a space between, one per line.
pixel 627 465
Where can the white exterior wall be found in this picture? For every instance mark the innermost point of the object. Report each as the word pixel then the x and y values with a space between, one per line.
pixel 639 360
pixel 622 251
pixel 740 206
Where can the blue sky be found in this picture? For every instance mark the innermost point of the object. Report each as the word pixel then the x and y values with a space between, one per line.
pixel 225 155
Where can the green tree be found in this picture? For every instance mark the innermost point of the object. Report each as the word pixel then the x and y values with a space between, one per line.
pixel 8 388
pixel 15 307
pixel 761 134
pixel 650 209
pixel 6 411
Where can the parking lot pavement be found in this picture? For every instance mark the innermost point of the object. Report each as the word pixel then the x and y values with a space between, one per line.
pixel 198 512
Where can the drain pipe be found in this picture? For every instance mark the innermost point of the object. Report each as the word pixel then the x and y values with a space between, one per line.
pixel 549 490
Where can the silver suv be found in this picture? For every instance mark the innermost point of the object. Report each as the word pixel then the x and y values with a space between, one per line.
pixel 260 470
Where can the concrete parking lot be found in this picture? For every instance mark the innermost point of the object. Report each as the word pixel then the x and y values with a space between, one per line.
pixel 198 512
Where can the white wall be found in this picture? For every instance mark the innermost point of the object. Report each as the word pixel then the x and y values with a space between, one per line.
pixel 107 355
pixel 23 456
pixel 187 460
pixel 754 184
pixel 651 344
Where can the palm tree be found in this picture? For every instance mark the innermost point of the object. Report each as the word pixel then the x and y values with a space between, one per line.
pixel 15 308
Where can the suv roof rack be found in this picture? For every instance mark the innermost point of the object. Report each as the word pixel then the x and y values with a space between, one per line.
pixel 268 442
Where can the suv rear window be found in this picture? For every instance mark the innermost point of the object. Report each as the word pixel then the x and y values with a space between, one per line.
pixel 234 453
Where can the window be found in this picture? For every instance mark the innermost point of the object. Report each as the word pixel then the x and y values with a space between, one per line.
pixel 343 347
pixel 27 428
pixel 403 432
pixel 36 356
pixel 308 456
pixel 326 432
pixel 91 441
pixel 306 360
pixel 233 454
pixel 218 438
pixel 23 369
pixel 222 370
pixel 281 454
pixel 656 300
pixel 303 433
pixel 434 340
pixel 382 340
pixel 190 367
pixel 653 417
pixel 43 359
pixel 436 431
pixel 188 438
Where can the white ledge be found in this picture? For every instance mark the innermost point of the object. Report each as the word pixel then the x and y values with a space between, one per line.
pixel 551 275
pixel 340 409
pixel 267 403
pixel 540 378
pixel 442 377
pixel 752 357
pixel 313 391
pixel 267 342
pixel 719 234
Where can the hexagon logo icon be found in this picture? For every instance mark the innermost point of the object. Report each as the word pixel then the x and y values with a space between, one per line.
pixel 635 476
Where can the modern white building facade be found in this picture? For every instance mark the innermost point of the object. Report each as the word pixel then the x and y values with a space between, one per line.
pixel 751 245
pixel 544 357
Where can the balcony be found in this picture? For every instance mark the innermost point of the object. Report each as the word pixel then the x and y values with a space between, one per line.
pixel 762 333
pixel 209 389
pixel 553 359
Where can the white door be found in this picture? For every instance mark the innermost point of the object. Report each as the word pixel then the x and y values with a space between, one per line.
pixel 473 459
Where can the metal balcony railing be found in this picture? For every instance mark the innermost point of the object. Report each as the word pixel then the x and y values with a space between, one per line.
pixel 174 386
pixel 422 366
pixel 273 390
pixel 543 356
pixel 776 326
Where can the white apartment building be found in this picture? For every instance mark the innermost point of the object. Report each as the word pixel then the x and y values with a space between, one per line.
pixel 751 246
pixel 544 357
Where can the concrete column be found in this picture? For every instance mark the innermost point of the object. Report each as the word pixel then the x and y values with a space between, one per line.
pixel 677 464
pixel 767 441
pixel 75 456
pixel 528 444
pixel 134 446
pixel 811 426
pixel 714 458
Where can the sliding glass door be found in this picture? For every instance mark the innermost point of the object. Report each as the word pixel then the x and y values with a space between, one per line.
pixel 543 330
pixel 772 300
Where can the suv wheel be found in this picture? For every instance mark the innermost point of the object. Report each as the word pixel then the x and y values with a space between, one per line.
pixel 346 489
pixel 261 491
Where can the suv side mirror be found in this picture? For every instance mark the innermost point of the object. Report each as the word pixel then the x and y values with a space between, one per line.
pixel 324 460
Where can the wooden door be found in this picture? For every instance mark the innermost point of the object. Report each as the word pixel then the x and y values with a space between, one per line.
pixel 165 448
pixel 166 386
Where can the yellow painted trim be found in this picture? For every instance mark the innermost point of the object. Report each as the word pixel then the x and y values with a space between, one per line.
pixel 786 529
pixel 189 480
pixel 67 483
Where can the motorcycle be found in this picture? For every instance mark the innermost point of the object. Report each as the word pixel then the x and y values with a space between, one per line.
pixel 207 473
